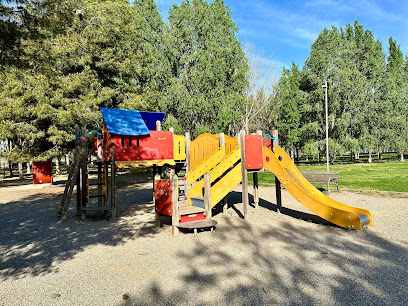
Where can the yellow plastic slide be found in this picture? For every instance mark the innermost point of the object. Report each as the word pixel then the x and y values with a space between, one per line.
pixel 280 164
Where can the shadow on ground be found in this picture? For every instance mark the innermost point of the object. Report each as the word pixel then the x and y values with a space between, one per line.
pixel 241 265
pixel 32 239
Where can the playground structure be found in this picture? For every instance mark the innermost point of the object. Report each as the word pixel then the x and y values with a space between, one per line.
pixel 202 172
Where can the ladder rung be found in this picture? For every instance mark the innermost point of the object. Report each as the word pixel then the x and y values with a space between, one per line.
pixel 96 184
pixel 97 196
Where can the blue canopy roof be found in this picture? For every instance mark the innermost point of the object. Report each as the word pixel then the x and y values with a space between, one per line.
pixel 124 122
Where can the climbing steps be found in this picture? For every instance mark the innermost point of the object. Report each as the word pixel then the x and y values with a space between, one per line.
pixel 101 192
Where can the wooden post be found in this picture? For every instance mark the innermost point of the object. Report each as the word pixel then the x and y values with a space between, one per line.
pixel 188 152
pixel 245 200
pixel 113 179
pixel 255 180
pixel 224 200
pixel 207 195
pixel 173 168
pixel 157 216
pixel 78 190
pixel 275 134
pixel 275 143
pixel 105 182
pixel 175 216
pixel 78 180
pixel 158 125
pixel 84 172
pixel 186 186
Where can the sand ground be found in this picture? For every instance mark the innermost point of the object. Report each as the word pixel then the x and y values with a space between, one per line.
pixel 286 258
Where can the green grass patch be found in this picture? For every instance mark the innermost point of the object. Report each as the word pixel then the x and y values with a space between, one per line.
pixel 386 176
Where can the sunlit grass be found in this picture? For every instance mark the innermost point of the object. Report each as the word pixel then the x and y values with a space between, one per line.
pixel 386 176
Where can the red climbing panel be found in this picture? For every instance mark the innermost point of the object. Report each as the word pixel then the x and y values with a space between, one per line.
pixel 253 152
pixel 159 145
pixel 42 172
pixel 268 143
pixel 163 197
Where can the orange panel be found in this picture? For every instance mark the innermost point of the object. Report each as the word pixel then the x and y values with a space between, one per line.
pixel 253 152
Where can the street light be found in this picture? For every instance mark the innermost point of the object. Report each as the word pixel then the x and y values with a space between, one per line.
pixel 327 125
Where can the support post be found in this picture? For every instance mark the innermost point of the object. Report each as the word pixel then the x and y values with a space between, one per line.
pixel 84 173
pixel 275 135
pixel 175 216
pixel 188 156
pixel 158 126
pixel 245 200
pixel 78 180
pixel 207 195
pixel 173 168
pixel 188 151
pixel 224 200
pixel 113 180
pixel 275 143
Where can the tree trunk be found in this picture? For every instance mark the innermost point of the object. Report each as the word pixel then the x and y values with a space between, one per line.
pixel 67 160
pixel 292 154
pixel 20 171
pixel 402 155
pixel 297 155
pixel 29 170
pixel 57 165
pixel 10 167
pixel 351 156
pixel 357 156
pixel 370 160
pixel 318 158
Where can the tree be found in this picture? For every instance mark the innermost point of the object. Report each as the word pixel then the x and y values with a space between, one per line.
pixel 208 68
pixel 79 55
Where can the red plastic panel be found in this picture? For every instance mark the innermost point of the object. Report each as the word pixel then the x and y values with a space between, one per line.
pixel 188 218
pixel 163 197
pixel 159 145
pixel 267 142
pixel 42 172
pixel 253 152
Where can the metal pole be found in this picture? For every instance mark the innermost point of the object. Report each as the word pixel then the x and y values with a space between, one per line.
pixel 327 124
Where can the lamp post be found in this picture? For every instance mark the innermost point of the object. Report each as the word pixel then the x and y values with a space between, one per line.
pixel 327 124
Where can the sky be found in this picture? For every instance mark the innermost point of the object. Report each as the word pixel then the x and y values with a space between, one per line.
pixel 284 30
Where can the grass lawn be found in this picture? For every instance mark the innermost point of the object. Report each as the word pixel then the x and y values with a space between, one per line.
pixel 386 176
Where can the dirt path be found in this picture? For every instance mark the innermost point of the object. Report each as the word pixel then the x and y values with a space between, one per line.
pixel 287 258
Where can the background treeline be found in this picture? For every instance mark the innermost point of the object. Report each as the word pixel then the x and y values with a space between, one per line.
pixel 61 60
pixel 367 93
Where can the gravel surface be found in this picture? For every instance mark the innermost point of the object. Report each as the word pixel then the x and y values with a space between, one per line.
pixel 286 258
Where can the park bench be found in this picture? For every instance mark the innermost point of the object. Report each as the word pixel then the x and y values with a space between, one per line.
pixel 323 177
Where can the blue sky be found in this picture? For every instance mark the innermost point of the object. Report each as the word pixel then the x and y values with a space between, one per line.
pixel 284 30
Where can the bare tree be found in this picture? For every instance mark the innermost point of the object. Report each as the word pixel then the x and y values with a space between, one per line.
pixel 262 80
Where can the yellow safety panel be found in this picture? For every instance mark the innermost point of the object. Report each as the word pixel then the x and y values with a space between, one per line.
pixel 179 147
pixel 202 147
pixel 313 191
pixel 330 212
pixel 205 166
pixel 215 173
pixel 225 185
pixel 230 143
pixel 146 163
